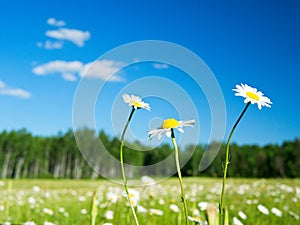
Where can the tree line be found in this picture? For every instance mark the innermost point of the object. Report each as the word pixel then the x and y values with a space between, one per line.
pixel 23 155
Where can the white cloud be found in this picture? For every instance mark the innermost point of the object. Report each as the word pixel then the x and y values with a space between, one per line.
pixel 67 69
pixel 69 77
pixel 100 69
pixel 58 66
pixel 77 37
pixel 50 44
pixel 160 66
pixel 103 69
pixel 16 92
pixel 53 45
pixel 57 23
pixel 61 34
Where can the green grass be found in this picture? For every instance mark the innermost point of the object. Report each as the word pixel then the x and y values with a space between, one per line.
pixel 68 200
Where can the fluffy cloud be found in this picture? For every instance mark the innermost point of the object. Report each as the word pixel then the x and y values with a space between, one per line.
pixel 57 23
pixel 103 69
pixel 50 44
pixel 16 92
pixel 60 35
pixel 69 77
pixel 100 69
pixel 77 37
pixel 66 69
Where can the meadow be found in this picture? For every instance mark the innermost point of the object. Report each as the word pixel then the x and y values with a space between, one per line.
pixel 48 202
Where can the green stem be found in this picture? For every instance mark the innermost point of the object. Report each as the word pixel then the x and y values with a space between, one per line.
pixel 122 166
pixel 179 177
pixel 222 208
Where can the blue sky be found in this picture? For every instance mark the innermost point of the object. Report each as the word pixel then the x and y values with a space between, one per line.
pixel 47 45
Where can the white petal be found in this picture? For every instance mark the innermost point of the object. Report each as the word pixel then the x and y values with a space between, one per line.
pixel 135 98
pixel 159 132
pixel 180 129
pixel 159 136
pixel 189 123
pixel 168 132
pixel 126 98
pixel 146 106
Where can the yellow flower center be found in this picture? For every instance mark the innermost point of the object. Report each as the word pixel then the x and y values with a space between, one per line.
pixel 131 195
pixel 136 104
pixel 197 218
pixel 170 123
pixel 252 95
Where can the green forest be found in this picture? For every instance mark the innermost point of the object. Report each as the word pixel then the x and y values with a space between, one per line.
pixel 23 155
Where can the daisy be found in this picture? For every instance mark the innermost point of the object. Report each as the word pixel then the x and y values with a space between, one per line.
pixel 196 220
pixel 109 215
pixel 242 215
pixel 263 209
pixel 48 223
pixel 29 223
pixel 133 196
pixel 48 211
pixel 236 221
pixel 83 211
pixel 277 212
pixel 141 209
pixel 252 95
pixel 294 215
pixel 135 102
pixel 168 125
pixel 202 205
pixel 147 181
pixel 174 208
pixel 112 197
pixel 156 212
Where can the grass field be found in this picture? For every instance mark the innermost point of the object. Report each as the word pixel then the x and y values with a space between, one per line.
pixel 249 201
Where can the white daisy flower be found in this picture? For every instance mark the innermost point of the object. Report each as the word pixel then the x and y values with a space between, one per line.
pixel 141 209
pixel 109 215
pixel 148 181
pixel 112 197
pixel 48 211
pixel 252 95
pixel 83 211
pixel 169 124
pixel 294 215
pixel 242 215
pixel 236 221
pixel 196 219
pixel 202 205
pixel 133 195
pixel 276 212
pixel 31 200
pixel 135 102
pixel 36 188
pixel 48 223
pixel 263 209
pixel 156 212
pixel 61 209
pixel 29 223
pixel 174 208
